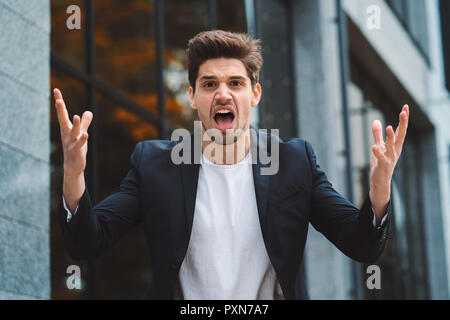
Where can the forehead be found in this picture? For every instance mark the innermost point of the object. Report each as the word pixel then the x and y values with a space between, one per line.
pixel 222 68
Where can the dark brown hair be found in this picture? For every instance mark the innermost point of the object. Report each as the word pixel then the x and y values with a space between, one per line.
pixel 222 44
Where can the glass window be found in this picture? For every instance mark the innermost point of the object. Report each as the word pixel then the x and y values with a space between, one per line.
pixel 68 44
pixel 183 20
pixel 125 49
pixel 362 113
pixel 123 272
pixel 118 132
pixel 401 264
pixel 444 8
pixel 360 141
pixel 231 15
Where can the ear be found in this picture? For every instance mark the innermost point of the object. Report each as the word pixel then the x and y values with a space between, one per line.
pixel 191 98
pixel 256 95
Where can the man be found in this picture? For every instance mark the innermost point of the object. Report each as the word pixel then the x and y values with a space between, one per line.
pixel 220 229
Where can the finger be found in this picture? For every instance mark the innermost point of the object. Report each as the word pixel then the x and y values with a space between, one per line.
pixel 400 133
pixel 81 140
pixel 75 132
pixel 86 120
pixel 57 93
pixel 390 139
pixel 377 131
pixel 377 152
pixel 406 109
pixel 61 111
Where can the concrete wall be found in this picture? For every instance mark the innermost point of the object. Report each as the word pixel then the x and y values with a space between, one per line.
pixel 318 100
pixel 394 46
pixel 24 149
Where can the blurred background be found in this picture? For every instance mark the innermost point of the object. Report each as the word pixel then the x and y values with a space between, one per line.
pixel 330 68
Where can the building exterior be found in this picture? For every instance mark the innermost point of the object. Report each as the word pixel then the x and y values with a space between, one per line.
pixel 401 62
pixel 24 150
pixel 330 68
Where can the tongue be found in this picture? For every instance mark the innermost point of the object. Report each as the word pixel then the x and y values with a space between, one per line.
pixel 225 121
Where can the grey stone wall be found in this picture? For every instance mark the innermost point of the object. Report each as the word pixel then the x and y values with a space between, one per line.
pixel 24 149
pixel 318 100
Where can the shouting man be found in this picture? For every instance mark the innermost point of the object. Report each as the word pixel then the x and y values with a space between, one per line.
pixel 220 228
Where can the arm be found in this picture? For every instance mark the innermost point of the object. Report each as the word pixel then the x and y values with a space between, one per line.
pixel 342 223
pixel 74 138
pixel 92 230
pixel 351 230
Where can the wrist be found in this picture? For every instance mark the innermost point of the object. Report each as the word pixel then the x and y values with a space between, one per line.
pixel 383 191
pixel 73 182
pixel 73 188
pixel 73 175
pixel 379 198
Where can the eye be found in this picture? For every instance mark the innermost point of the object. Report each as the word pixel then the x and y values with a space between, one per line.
pixel 208 84
pixel 235 83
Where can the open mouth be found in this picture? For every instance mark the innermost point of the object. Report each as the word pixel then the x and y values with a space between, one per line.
pixel 224 118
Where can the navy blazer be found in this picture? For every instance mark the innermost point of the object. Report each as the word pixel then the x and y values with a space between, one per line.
pixel 161 195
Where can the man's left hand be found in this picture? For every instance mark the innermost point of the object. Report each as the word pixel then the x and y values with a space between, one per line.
pixel 383 159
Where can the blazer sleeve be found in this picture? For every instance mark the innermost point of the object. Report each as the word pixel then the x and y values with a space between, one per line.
pixel 92 230
pixel 350 229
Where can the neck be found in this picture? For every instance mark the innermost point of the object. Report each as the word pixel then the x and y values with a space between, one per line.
pixel 226 154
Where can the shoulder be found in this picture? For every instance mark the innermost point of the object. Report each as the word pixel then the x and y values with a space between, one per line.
pixel 292 151
pixel 155 151
pixel 295 146
pixel 156 146
pixel 291 148
pixel 269 139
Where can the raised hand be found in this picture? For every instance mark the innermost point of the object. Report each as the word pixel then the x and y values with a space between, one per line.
pixel 74 136
pixel 383 159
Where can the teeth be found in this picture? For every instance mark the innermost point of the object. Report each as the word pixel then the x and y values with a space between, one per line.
pixel 223 111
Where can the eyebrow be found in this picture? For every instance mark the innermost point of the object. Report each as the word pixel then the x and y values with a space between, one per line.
pixel 214 77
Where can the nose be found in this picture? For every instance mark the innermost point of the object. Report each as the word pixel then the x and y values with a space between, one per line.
pixel 223 93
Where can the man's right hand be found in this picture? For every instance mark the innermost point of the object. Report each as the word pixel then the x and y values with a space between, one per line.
pixel 74 138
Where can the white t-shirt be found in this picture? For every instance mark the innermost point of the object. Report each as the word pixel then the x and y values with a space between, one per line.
pixel 226 257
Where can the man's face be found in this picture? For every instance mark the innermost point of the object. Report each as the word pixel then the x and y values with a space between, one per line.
pixel 224 96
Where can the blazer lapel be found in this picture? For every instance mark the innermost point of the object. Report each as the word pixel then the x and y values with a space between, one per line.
pixel 189 177
pixel 258 145
pixel 189 173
